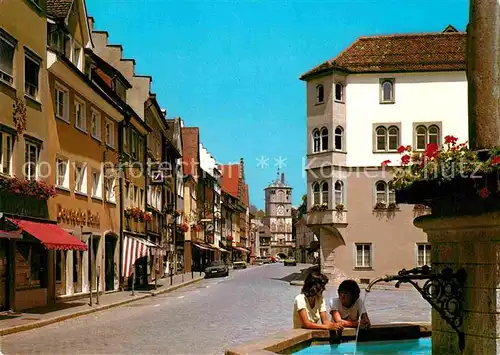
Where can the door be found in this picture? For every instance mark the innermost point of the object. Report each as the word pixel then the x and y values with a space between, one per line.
pixel 109 262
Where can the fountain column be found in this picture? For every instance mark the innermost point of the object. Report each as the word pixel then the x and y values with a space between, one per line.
pixel 472 242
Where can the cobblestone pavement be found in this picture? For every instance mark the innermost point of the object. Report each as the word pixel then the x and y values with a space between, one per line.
pixel 203 318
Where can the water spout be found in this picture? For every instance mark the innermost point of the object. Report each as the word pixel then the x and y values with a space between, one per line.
pixel 386 278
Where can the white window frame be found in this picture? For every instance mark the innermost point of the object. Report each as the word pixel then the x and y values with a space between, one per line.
pixel 76 61
pixel 62 181
pixel 366 249
pixel 96 189
pixel 324 139
pixel 4 76
pixel 32 58
pixel 97 115
pixel 340 136
pixel 109 140
pixel 424 256
pixel 320 100
pixel 341 99
pixel 109 187
pixel 6 150
pixel 27 167
pixel 83 126
pixel 65 114
pixel 316 137
pixel 383 83
pixel 339 192
pixel 81 180
pixel 389 196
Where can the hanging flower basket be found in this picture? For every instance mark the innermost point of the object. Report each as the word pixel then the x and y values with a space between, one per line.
pixel 450 179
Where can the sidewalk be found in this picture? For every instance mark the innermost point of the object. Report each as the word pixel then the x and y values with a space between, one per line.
pixel 13 322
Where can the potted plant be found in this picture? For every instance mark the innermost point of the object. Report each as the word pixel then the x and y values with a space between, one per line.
pixel 339 207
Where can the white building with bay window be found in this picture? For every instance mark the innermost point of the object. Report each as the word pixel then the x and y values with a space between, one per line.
pixel 378 94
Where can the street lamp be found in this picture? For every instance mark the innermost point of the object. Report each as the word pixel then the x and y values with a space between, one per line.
pixel 89 233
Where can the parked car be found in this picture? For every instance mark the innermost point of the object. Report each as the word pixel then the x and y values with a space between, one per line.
pixel 216 269
pixel 290 261
pixel 239 265
pixel 259 261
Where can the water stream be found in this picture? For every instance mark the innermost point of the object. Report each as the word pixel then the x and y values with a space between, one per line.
pixel 359 320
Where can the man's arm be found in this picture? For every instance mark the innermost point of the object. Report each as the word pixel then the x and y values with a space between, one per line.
pixel 365 321
pixel 338 319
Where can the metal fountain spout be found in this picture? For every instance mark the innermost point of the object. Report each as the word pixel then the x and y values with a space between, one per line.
pixel 418 273
pixel 443 291
pixel 385 278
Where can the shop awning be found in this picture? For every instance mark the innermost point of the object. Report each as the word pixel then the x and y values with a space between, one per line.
pixel 155 248
pixel 213 246
pixel 202 247
pixel 133 249
pixel 241 249
pixel 50 235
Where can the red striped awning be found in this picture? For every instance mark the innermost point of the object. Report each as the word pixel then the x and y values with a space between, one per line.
pixel 50 235
pixel 133 249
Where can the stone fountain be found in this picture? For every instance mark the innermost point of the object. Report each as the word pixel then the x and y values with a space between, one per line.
pixel 464 229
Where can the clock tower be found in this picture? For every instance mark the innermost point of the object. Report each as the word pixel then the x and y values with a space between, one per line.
pixel 279 216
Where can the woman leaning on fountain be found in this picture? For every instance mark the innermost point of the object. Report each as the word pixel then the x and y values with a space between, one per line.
pixel 309 308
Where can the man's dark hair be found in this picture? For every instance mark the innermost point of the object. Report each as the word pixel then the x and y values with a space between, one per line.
pixel 350 286
pixel 314 284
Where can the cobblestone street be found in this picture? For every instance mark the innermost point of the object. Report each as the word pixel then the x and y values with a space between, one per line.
pixel 203 318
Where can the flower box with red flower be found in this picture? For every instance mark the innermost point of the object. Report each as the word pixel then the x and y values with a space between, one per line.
pixel 148 217
pixel 451 179
pixel 229 238
pixel 184 227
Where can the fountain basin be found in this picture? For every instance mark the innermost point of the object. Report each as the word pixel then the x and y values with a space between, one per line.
pixel 306 341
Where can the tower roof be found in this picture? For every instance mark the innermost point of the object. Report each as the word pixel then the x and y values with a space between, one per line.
pixel 279 182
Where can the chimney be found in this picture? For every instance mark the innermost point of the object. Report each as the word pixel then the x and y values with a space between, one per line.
pixel 483 74
pixel 283 178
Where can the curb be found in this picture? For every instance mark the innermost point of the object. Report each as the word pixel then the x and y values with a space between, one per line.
pixel 43 323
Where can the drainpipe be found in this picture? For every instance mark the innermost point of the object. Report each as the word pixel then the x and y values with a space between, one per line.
pixel 120 188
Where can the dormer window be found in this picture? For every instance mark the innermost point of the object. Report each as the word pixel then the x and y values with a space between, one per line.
pixel 120 89
pixel 320 94
pixel 77 55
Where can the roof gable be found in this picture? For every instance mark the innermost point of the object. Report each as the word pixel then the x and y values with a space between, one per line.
pixel 441 51
pixel 230 179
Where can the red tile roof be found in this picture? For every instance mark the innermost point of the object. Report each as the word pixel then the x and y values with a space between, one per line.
pixel 190 150
pixel 230 178
pixel 441 51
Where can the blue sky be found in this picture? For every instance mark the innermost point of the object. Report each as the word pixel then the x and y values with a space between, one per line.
pixel 231 67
